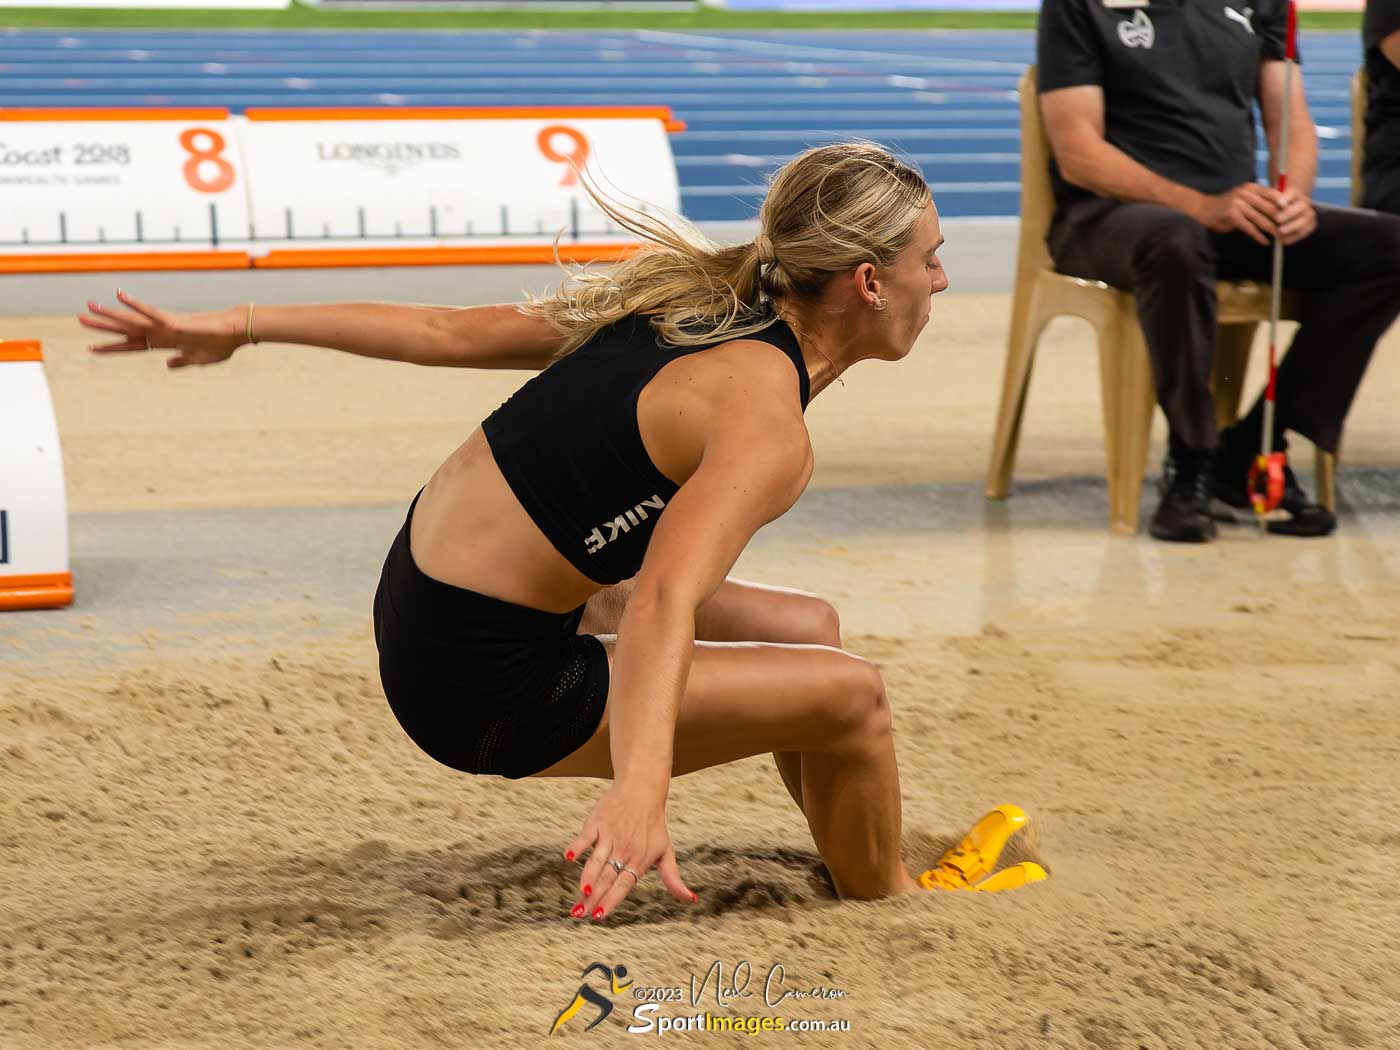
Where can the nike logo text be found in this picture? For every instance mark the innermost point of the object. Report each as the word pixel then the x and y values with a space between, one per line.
pixel 596 541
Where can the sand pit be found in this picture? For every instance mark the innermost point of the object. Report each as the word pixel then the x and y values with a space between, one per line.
pixel 217 836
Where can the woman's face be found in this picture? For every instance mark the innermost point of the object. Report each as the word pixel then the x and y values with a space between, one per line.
pixel 907 284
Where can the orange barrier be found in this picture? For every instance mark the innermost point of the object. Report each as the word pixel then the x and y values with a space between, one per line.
pixel 41 591
pixel 661 113
pixel 21 350
pixel 486 255
pixel 113 113
pixel 88 262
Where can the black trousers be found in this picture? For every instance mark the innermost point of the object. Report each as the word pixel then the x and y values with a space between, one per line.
pixel 1348 270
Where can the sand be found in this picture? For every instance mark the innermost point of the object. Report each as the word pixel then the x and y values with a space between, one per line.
pixel 203 847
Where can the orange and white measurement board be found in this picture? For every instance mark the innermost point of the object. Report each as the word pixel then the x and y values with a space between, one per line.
pixel 34 569
pixel 92 183
pixel 116 189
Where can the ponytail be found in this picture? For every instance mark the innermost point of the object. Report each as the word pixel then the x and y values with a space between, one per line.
pixel 828 210
pixel 693 290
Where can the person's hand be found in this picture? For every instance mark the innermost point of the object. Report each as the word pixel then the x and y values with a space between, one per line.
pixel 1296 217
pixel 200 339
pixel 1249 207
pixel 630 827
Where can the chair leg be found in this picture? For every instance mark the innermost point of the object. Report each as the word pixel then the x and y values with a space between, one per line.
pixel 1110 345
pixel 1026 326
pixel 1232 347
pixel 1138 400
pixel 1325 465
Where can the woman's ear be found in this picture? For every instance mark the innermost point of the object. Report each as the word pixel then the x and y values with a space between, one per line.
pixel 867 285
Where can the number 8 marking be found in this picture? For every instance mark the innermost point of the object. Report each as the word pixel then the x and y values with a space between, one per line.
pixel 224 177
pixel 576 160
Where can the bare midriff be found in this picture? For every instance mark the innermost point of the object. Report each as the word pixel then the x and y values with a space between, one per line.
pixel 469 530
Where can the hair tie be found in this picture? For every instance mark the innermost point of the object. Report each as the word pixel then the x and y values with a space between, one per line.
pixel 764 247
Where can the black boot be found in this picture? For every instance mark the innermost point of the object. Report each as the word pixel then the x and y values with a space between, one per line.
pixel 1183 514
pixel 1231 497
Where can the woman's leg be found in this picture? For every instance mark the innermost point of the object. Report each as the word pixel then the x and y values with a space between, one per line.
pixel 748 698
pixel 741 612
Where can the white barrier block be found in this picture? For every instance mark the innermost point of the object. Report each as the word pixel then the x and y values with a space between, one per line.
pixel 34 571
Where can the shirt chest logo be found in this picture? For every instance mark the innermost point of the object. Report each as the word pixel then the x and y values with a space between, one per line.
pixel 1139 32
pixel 623 523
pixel 1242 17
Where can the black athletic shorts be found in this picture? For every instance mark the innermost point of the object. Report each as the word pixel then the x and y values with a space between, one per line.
pixel 480 684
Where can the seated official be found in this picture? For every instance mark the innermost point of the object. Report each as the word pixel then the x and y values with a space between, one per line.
pixel 1380 173
pixel 1149 112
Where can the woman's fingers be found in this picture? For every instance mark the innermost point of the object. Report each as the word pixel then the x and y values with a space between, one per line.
pixel 101 325
pixel 124 345
pixel 612 887
pixel 121 317
pixel 597 875
pixel 670 873
pixel 149 312
pixel 616 892
pixel 581 843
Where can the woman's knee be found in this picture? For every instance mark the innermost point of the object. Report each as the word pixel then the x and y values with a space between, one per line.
pixel 817 622
pixel 859 710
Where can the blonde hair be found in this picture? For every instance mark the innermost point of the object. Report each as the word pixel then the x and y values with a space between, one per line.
pixel 828 210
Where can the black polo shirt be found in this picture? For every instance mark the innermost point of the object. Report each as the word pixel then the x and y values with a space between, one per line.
pixel 1179 79
pixel 1381 167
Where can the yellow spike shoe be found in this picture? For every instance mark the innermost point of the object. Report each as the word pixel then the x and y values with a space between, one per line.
pixel 975 857
pixel 1012 878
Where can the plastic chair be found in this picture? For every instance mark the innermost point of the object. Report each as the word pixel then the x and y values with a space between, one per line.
pixel 1125 375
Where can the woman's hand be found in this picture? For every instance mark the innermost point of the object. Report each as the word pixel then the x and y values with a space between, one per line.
pixel 200 339
pixel 628 826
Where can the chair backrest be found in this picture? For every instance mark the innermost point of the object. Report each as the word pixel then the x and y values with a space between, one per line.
pixel 1037 197
pixel 1358 135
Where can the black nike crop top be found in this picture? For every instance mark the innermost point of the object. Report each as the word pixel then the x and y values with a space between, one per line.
pixel 570 448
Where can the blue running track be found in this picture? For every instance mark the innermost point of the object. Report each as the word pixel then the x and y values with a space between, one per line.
pixel 751 100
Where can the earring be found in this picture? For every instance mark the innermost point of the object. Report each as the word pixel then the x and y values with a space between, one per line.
pixel 880 303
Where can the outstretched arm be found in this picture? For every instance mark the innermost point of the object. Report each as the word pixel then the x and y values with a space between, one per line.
pixel 498 336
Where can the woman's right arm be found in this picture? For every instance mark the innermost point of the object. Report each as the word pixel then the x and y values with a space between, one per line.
pixel 756 460
pixel 498 336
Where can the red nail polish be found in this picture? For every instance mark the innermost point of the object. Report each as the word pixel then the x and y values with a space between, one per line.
pixel 693 897
pixel 597 913
pixel 578 910
pixel 569 855
pixel 587 889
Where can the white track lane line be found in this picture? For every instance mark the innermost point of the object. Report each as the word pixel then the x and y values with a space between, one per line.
pixel 661 36
pixel 759 189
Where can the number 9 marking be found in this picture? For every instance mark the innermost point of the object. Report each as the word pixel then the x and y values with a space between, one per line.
pixel 223 177
pixel 576 160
